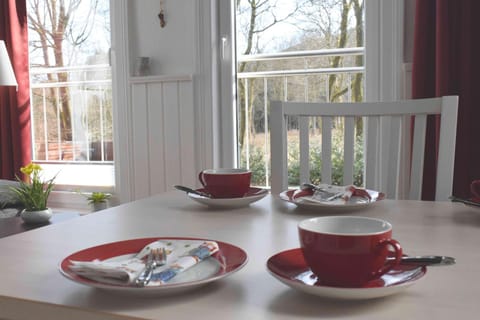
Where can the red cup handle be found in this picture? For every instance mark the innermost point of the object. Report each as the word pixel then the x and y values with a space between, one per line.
pixel 397 249
pixel 200 177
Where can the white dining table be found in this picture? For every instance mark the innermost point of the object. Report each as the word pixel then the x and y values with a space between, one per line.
pixel 31 286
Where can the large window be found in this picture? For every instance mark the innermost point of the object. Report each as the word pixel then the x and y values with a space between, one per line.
pixel 303 50
pixel 71 91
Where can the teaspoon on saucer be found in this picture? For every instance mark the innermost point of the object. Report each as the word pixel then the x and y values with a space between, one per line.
pixel 190 190
pixel 427 260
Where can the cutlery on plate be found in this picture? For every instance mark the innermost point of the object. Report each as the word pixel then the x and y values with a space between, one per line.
pixel 190 190
pixel 326 194
pixel 156 258
pixel 426 260
pixel 311 186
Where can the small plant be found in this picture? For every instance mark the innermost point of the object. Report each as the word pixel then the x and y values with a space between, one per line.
pixel 98 197
pixel 34 193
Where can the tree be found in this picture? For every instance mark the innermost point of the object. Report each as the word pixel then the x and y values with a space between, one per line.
pixel 54 24
pixel 261 16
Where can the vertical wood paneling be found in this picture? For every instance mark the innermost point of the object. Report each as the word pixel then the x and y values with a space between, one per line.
pixel 156 138
pixel 188 171
pixel 164 134
pixel 171 132
pixel 140 138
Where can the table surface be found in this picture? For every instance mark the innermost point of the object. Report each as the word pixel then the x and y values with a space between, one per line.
pixel 32 287
pixel 15 224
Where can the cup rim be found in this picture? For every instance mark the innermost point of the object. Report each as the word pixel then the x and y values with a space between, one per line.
pixel 226 171
pixel 302 225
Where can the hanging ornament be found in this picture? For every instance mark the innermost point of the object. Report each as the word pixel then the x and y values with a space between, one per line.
pixel 161 15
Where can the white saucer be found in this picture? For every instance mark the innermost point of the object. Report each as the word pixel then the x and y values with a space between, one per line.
pixel 254 194
pixel 290 268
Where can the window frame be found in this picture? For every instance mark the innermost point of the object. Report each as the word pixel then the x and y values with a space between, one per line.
pixel 384 75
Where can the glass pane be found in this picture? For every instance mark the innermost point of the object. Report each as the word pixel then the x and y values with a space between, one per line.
pixel 303 50
pixel 71 92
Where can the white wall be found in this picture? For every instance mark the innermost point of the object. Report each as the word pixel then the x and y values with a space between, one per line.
pixel 163 121
pixel 171 49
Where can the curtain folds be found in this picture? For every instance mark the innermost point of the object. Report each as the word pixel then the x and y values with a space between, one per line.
pixel 15 131
pixel 446 62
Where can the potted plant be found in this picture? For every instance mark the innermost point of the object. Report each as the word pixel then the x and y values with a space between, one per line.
pixel 33 194
pixel 98 200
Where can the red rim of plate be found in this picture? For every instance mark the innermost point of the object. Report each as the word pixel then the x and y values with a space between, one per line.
pixel 231 257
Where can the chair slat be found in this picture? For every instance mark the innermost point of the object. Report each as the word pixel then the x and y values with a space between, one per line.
pixel 348 150
pixel 327 150
pixel 304 149
pixel 416 179
pixel 392 157
pixel 371 152
pixel 446 151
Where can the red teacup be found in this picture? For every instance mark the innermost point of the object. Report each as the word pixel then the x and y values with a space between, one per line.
pixel 348 251
pixel 226 183
pixel 475 189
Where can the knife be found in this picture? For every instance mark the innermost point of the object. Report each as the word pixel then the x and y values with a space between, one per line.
pixel 466 201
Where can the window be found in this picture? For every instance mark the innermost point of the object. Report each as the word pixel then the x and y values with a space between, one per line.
pixel 383 73
pixel 296 51
pixel 71 92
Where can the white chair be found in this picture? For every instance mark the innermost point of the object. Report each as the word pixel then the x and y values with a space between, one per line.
pixel 387 147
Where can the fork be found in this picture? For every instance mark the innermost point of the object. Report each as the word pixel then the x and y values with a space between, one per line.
pixel 157 257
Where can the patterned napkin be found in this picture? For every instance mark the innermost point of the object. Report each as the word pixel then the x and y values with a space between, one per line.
pixel 337 194
pixel 181 255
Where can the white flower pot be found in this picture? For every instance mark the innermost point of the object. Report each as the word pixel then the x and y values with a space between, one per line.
pixel 40 216
pixel 99 206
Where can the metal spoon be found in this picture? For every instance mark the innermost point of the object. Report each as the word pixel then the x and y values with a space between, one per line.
pixel 190 190
pixel 427 260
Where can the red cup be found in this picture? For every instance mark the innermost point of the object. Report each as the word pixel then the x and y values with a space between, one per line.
pixel 226 183
pixel 475 189
pixel 348 251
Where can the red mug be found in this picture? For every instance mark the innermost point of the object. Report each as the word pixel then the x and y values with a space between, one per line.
pixel 475 189
pixel 348 251
pixel 226 183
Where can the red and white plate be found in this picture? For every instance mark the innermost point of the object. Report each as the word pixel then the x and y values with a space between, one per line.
pixel 226 261
pixel 290 268
pixel 303 199
pixel 254 194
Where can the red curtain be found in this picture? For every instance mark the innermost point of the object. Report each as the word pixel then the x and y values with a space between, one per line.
pixel 446 61
pixel 15 132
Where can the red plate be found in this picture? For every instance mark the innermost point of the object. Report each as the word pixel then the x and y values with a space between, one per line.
pixel 226 261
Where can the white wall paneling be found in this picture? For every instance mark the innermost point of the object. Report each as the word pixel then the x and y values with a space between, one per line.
pixel 164 133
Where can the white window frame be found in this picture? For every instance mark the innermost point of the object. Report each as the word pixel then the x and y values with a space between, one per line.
pixel 384 25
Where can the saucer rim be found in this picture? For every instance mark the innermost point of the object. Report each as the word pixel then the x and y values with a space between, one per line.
pixel 343 293
pixel 229 202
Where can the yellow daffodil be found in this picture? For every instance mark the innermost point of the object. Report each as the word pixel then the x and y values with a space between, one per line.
pixel 32 167
pixel 34 193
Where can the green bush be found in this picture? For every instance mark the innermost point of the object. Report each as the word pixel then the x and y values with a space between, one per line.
pixel 257 166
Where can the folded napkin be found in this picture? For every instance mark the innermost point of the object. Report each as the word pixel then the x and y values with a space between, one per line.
pixel 181 255
pixel 336 194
